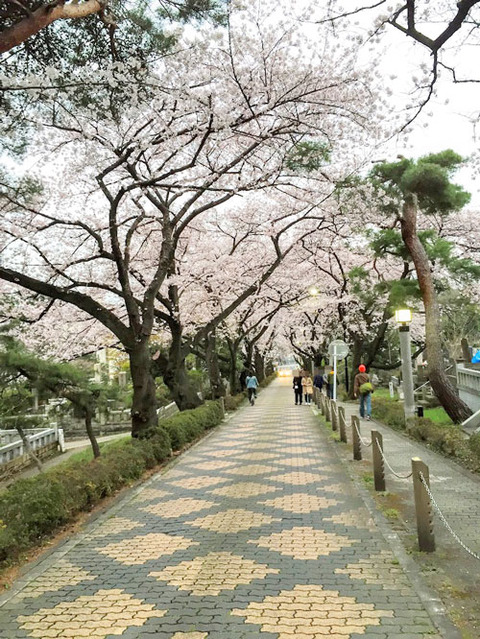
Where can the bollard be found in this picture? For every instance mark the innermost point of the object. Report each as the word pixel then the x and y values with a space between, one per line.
pixel 378 464
pixel 322 403
pixel 342 423
pixel 423 506
pixel 222 406
pixel 333 407
pixel 357 444
pixel 328 410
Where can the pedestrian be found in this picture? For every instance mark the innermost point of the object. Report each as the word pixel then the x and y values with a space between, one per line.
pixel 252 384
pixel 307 386
pixel 318 381
pixel 297 387
pixel 330 379
pixel 363 388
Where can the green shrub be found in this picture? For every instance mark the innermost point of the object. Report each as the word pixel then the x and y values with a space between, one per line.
pixel 31 509
pixel 446 439
pixel 388 411
pixel 232 402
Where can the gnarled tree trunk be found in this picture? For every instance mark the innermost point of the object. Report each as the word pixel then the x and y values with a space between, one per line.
pixel 443 389
pixel 144 402
pixel 216 384
pixel 175 376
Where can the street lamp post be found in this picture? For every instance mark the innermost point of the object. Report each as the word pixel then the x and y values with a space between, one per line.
pixel 403 318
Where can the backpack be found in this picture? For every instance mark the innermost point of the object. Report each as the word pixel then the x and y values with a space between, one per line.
pixel 366 388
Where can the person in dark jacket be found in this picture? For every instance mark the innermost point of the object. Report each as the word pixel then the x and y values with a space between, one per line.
pixel 318 381
pixel 297 387
pixel 363 388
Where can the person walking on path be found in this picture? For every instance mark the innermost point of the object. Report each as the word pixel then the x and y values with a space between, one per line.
pixel 363 388
pixel 307 386
pixel 329 384
pixel 252 385
pixel 318 381
pixel 297 387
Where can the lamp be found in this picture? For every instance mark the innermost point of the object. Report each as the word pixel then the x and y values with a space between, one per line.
pixel 403 316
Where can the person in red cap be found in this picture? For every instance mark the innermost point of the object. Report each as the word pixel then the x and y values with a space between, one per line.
pixel 363 388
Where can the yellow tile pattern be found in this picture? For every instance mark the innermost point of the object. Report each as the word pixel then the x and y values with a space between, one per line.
pixel 380 569
pixel 304 542
pixel 249 469
pixel 295 462
pixel 108 612
pixel 177 507
pixel 62 574
pixel 202 481
pixel 213 465
pixel 115 525
pixel 258 456
pixel 309 612
pixel 358 518
pixel 149 494
pixel 298 478
pixel 211 574
pixel 190 635
pixel 300 503
pixel 232 520
pixel 137 551
pixel 245 489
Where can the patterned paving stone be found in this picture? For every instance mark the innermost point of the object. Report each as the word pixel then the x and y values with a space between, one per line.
pixel 116 525
pixel 203 481
pixel 254 533
pixel 108 612
pixel 358 518
pixel 211 574
pixel 311 612
pixel 304 542
pixel 233 520
pixel 299 478
pixel 300 503
pixel 178 507
pixel 214 465
pixel 145 547
pixel 58 577
pixel 381 568
pixel 149 494
pixel 244 489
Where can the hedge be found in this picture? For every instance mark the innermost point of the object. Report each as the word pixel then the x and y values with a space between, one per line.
pixel 33 509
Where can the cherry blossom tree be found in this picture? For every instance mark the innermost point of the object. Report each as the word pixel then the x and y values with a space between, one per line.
pixel 130 180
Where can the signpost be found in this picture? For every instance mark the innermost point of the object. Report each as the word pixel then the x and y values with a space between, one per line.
pixel 337 349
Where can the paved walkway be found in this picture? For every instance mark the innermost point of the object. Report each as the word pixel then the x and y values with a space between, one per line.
pixel 255 532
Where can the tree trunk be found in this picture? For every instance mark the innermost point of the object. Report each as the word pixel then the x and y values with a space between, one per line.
pixel 90 433
pixel 356 361
pixel 217 387
pixel 259 365
pixel 457 410
pixel 233 376
pixel 29 448
pixel 248 356
pixel 144 402
pixel 175 376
